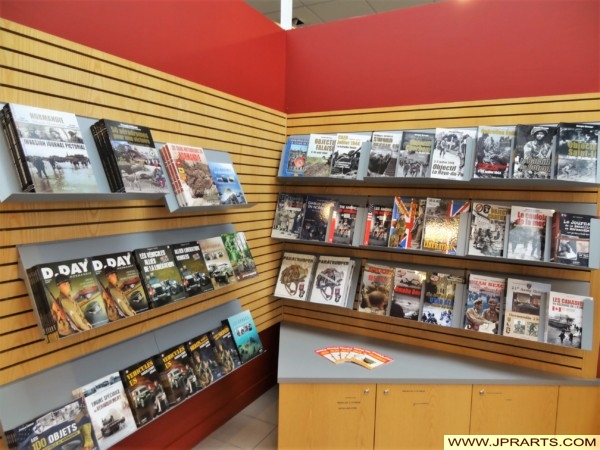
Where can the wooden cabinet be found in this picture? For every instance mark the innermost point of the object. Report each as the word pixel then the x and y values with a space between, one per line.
pixel 578 410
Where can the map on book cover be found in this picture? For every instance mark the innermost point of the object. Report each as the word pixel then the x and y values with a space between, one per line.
pixel 525 299
pixel 245 335
pixel 407 223
pixel 448 158
pixel 228 183
pixel 534 152
pixel 414 156
pixel 331 280
pixel 204 363
pixel 294 156
pixel 176 375
pixel 407 296
pixel 217 261
pixel 346 155
pixel 317 218
pixel 577 152
pixel 564 323
pixel 289 215
pixel 108 408
pixel 52 152
pixel 240 255
pixel 493 151
pixel 295 275
pixel 191 265
pixel 439 297
pixel 383 156
pixel 570 242
pixel 226 354
pixel 527 232
pixel 488 227
pixel 343 224
pixel 376 288
pixel 485 302
pixel 318 155
pixel 378 223
pixel 66 427
pixel 441 224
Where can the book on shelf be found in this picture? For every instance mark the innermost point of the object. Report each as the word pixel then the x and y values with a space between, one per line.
pixel 245 335
pixel 332 280
pixel 345 159
pixel 383 156
pixel 577 152
pixel 227 182
pixel 130 160
pixel 493 151
pixel 176 375
pixel 570 240
pixel 190 175
pixel 108 408
pixel 442 225
pixel 67 426
pixel 226 354
pixel 378 223
pixel 407 297
pixel 146 395
pixel 524 311
pixel 160 276
pixel 534 152
pixel 121 285
pixel 406 229
pixel 192 267
pixel 203 360
pixel 289 215
pixel 343 225
pixel 318 155
pixel 527 232
pixel 317 218
pixel 443 293
pixel 564 320
pixel 450 153
pixel 485 303
pixel 47 149
pixel 377 283
pixel 240 256
pixel 294 156
pixel 295 275
pixel 488 229
pixel 414 156
pixel 217 261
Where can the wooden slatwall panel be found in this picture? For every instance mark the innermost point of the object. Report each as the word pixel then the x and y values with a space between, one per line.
pixel 42 70
pixel 560 360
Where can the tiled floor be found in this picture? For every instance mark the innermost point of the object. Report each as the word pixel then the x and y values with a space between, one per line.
pixel 254 428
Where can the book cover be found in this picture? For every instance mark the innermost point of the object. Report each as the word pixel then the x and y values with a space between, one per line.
pixel 570 243
pixel 176 374
pixel 488 227
pixel 525 300
pixel 346 155
pixel 441 224
pixel 439 298
pixel 383 156
pixel 407 223
pixel 228 183
pixel 317 217
pixel 378 223
pixel 245 335
pixel 407 297
pixel 51 150
pixel 332 278
pixel 160 275
pixel 204 362
pixel 217 261
pixel 577 152
pixel 190 175
pixel 527 232
pixel 108 408
pixel 192 267
pixel 68 427
pixel 226 354
pixel 121 284
pixel 377 283
pixel 564 323
pixel 414 156
pixel 239 255
pixel 289 215
pixel 448 158
pixel 295 275
pixel 485 302
pixel 146 395
pixel 534 152
pixel 294 156
pixel 493 151
pixel 343 224
pixel 318 155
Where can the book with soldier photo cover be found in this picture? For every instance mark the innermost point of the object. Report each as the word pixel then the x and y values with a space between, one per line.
pixel 202 355
pixel 485 303
pixel 289 215
pixel 415 154
pixel 176 374
pixel 318 155
pixel 442 292
pixel 577 152
pixel 407 223
pixel 451 149
pixel 570 240
pixel 343 224
pixel 226 354
pixel 317 218
pixel 383 156
pixel 534 152
pixel 378 224
pixel 527 232
pixel 217 261
pixel 407 298
pixel 493 151
pixel 564 320
pixel 488 227
pixel 442 225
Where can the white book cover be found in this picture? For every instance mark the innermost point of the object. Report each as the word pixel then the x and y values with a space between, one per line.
pixel 524 312
pixel 295 274
pixel 451 150
pixel 319 152
pixel 564 324
pixel 331 280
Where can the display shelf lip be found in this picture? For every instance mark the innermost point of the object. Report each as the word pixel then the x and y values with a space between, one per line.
pixel 24 197
pixel 210 207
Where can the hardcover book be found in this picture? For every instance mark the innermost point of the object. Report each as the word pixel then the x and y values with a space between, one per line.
pixel 485 302
pixel 407 223
pixel 239 254
pixel 383 156
pixel 527 232
pixel 346 155
pixel 441 224
pixel 442 290
pixel 407 298
pixel 343 224
pixel 228 183
pixel 176 375
pixel 317 218
pixel 577 152
pixel 377 283
pixel 493 151
pixel 451 148
pixel 318 155
pixel 295 275
pixel 525 300
pixel 48 150
pixel 204 361
pixel 564 323
pixel 570 243
pixel 378 223
pixel 414 156
pixel 534 152
pixel 245 335
pixel 192 267
pixel 289 215
pixel 488 227
pixel 226 354
pixel 332 278
pixel 294 156
pixel 108 408
pixel 217 261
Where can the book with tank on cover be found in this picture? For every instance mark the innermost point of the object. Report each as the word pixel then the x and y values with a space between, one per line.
pixel 383 156
pixel 346 155
pixel 295 275
pixel 526 301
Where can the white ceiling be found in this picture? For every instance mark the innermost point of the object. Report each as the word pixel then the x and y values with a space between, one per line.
pixel 312 12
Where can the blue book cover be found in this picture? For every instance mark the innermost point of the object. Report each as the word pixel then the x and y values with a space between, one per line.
pixel 245 335
pixel 294 156
pixel 228 184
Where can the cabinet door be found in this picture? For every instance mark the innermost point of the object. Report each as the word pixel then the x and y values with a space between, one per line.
pixel 326 416
pixel 578 410
pixel 499 409
pixel 418 416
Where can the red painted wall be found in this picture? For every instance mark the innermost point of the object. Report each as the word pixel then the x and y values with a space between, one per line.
pixel 457 50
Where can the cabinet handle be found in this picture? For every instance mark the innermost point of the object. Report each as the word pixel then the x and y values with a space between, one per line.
pixel 481 391
pixel 386 392
pixel 366 391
